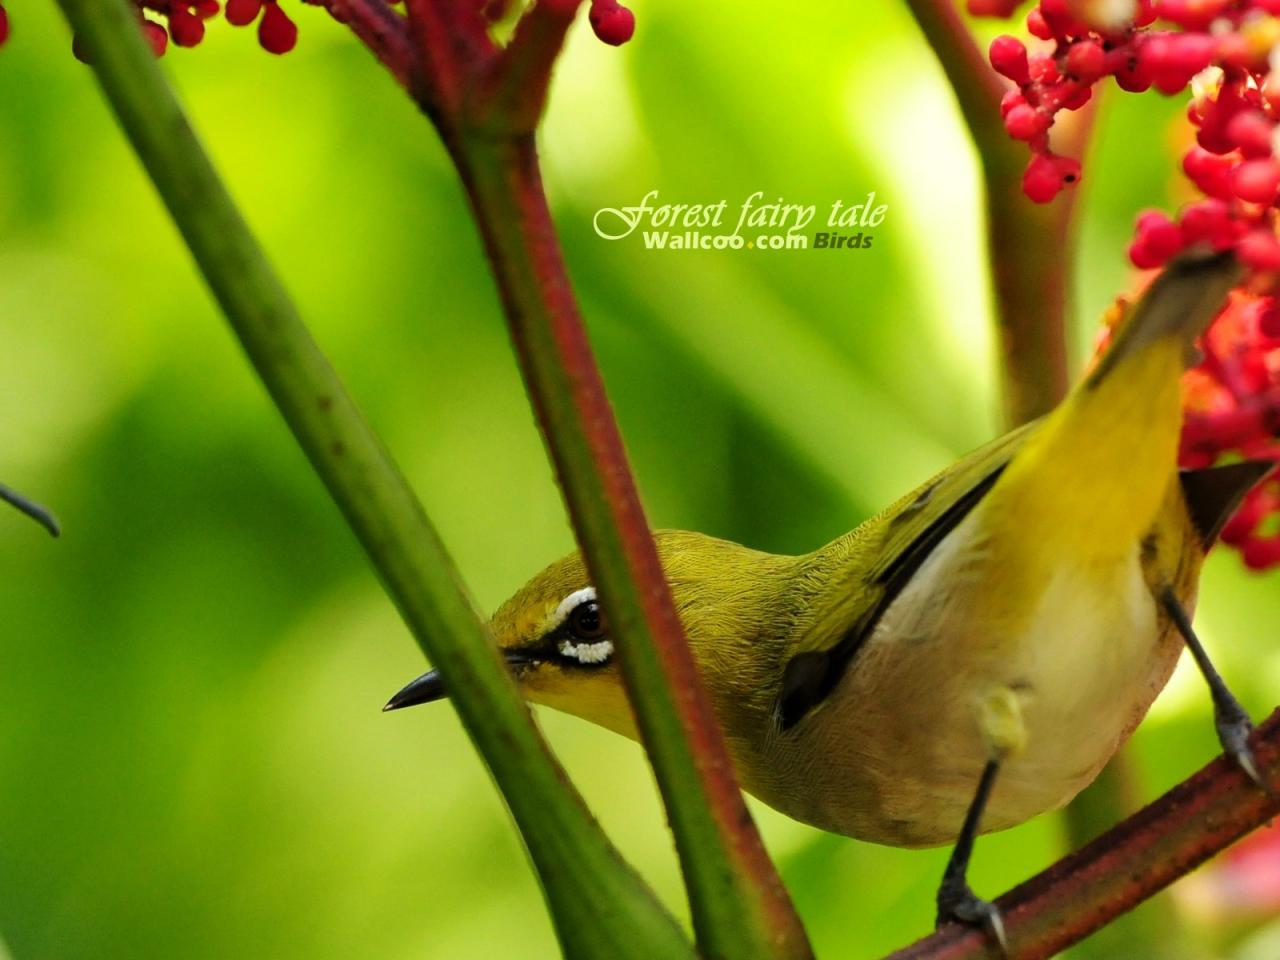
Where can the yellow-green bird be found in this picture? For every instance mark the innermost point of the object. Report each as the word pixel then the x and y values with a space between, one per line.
pixel 970 657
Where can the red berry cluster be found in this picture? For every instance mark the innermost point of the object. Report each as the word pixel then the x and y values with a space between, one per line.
pixel 1222 49
pixel 1231 410
pixel 183 21
pixel 1232 404
pixel 1224 45
pixel 276 32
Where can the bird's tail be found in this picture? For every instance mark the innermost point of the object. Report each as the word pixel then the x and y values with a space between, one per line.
pixel 1094 476
pixel 1177 307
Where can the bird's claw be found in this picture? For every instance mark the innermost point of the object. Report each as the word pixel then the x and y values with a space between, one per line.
pixel 1234 728
pixel 961 904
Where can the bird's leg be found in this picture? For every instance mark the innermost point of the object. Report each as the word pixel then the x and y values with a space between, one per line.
pixel 956 901
pixel 1232 722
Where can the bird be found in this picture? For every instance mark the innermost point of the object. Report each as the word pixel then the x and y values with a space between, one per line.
pixel 971 656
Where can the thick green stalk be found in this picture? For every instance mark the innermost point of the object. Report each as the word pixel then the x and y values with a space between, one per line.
pixel 740 909
pixel 1027 243
pixel 619 917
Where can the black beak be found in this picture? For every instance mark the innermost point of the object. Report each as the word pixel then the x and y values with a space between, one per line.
pixel 429 687
pixel 425 689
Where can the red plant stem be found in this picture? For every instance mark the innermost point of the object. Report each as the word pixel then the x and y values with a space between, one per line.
pixel 1126 865
pixel 446 69
pixel 516 89
pixel 739 905
pixel 384 31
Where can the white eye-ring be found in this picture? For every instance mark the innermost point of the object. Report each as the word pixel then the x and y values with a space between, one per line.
pixel 587 653
pixel 567 606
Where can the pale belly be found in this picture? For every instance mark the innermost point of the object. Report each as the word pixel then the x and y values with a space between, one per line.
pixel 896 754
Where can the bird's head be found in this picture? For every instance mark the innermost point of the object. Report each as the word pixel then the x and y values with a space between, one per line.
pixel 555 634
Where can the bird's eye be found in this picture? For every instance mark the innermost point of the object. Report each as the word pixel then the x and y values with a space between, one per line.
pixel 586 622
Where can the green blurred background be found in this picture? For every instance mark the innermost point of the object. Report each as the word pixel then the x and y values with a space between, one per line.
pixel 192 758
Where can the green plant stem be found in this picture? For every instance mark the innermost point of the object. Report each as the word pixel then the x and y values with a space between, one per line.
pixel 1028 243
pixel 739 906
pixel 620 917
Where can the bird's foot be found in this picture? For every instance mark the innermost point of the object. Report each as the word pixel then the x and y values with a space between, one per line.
pixel 956 902
pixel 1234 727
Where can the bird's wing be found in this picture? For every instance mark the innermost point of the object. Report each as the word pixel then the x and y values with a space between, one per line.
pixel 879 558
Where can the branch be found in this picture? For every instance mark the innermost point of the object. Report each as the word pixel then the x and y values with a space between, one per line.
pixel 740 909
pixel 1028 243
pixel 517 90
pixel 384 31
pixel 620 917
pixel 1126 865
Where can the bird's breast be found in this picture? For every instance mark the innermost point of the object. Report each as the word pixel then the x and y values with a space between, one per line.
pixel 896 753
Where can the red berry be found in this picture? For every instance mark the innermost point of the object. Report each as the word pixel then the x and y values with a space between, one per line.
pixel 1057 14
pixel 1046 175
pixel 156 36
pixel 1251 132
pixel 1079 98
pixel 241 13
pixel 1036 25
pixel 1192 52
pixel 276 32
pixel 4 26
pixel 1043 69
pixel 1026 122
pixel 1142 256
pixel 1086 61
pixel 1192 14
pixel 1009 59
pixel 1158 234
pixel 1259 249
pixel 1133 77
pixel 1068 169
pixel 1011 99
pixel 1269 319
pixel 613 23
pixel 1208 220
pixel 185 27
pixel 1210 172
pixel 1260 553
pixel 1256 181
pixel 1237 51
